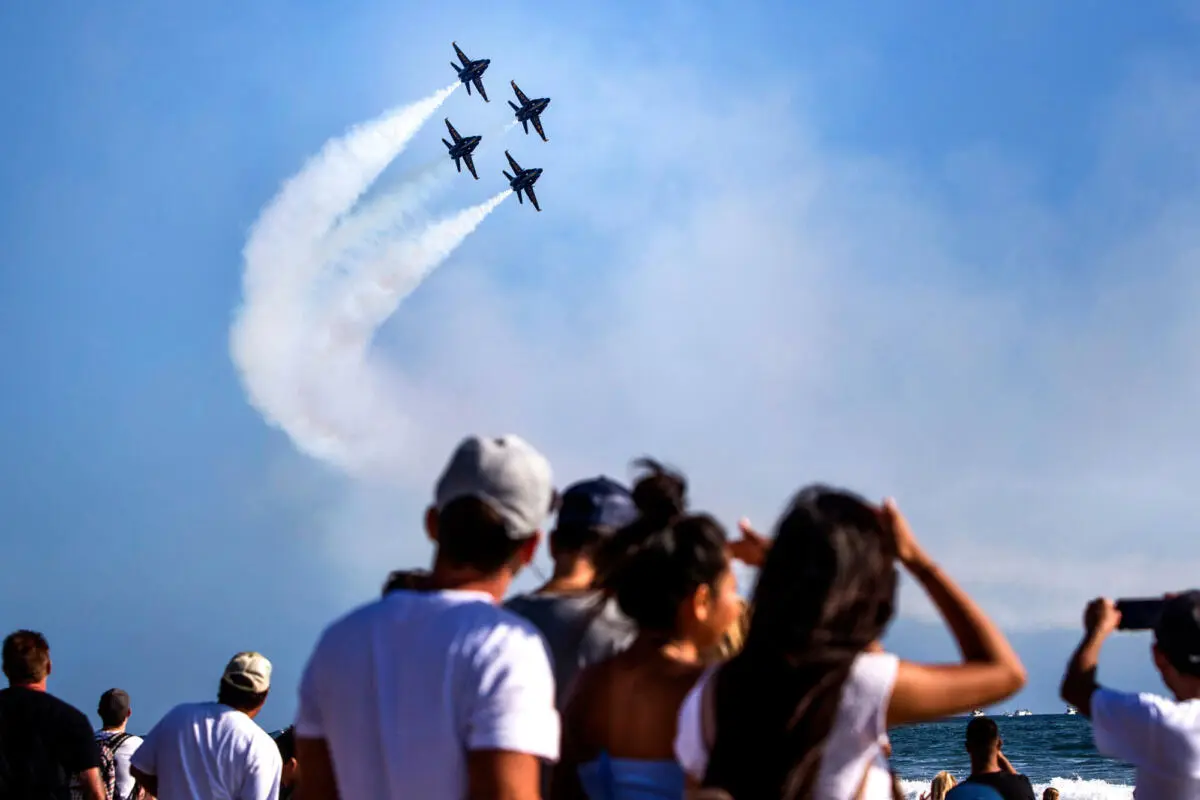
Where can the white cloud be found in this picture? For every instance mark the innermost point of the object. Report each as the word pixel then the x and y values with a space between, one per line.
pixel 727 292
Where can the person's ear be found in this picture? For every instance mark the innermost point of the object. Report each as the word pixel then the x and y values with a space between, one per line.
pixel 702 602
pixel 431 524
pixel 528 549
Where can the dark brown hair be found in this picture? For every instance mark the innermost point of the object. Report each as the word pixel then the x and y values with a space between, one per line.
pixel 472 534
pixel 26 657
pixel 826 592
pixel 239 698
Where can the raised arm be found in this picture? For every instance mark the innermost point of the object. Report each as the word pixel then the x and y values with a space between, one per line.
pixel 990 669
pixel 1079 683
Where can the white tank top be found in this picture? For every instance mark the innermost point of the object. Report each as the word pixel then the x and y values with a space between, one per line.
pixel 855 745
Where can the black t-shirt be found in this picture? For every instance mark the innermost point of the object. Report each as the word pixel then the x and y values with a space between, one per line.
pixel 1010 786
pixel 43 742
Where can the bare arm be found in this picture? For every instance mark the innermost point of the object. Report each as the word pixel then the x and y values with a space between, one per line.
pixel 91 786
pixel 145 780
pixel 318 781
pixel 1079 683
pixel 501 775
pixel 1004 764
pixel 990 670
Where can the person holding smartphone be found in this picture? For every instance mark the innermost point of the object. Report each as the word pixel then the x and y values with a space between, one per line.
pixel 1160 736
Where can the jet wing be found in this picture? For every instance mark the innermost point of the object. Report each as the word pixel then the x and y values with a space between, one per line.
pixel 513 163
pixel 520 95
pixel 471 166
pixel 537 126
pixel 466 62
pixel 453 133
pixel 532 197
pixel 482 93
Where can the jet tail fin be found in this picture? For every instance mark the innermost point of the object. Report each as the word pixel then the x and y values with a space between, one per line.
pixel 525 125
pixel 510 177
pixel 514 106
pixel 448 145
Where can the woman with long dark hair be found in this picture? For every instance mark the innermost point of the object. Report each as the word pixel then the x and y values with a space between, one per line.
pixel 802 712
pixel 670 573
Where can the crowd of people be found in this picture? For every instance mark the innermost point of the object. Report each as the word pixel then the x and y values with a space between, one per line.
pixel 636 672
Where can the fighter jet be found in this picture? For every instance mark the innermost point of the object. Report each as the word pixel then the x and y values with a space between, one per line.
pixel 462 149
pixel 530 111
pixel 471 71
pixel 524 181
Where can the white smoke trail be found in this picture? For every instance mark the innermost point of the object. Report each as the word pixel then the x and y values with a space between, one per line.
pixel 400 268
pixel 270 340
pixel 358 396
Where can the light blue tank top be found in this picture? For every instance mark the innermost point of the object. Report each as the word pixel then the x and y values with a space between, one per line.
pixel 631 779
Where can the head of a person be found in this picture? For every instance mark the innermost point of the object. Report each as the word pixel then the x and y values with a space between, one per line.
pixel 114 708
pixel 825 595
pixel 827 590
pixel 26 658
pixel 942 783
pixel 983 739
pixel 589 512
pixel 489 506
pixel 669 570
pixel 1050 794
pixel 285 740
pixel 245 683
pixel 1177 644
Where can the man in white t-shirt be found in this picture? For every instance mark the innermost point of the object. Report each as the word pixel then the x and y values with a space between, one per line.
pixel 215 751
pixel 114 713
pixel 436 692
pixel 1158 735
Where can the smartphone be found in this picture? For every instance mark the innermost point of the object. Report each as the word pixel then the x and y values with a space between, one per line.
pixel 1140 614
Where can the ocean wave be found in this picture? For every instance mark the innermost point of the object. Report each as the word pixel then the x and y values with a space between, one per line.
pixel 1069 789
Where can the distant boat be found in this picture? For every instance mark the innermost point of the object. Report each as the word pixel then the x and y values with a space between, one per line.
pixel 1024 712
pixel 978 713
pixel 1072 711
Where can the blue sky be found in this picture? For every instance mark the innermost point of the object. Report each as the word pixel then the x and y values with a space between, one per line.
pixel 945 253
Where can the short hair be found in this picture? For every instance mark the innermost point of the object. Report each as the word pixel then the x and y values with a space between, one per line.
pixel 239 698
pixel 1050 794
pixel 583 540
pixel 26 657
pixel 285 740
pixel 470 533
pixel 982 733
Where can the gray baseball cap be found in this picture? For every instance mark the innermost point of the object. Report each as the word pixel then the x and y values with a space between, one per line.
pixel 505 472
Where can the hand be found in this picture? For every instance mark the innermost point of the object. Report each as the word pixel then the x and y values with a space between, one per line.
pixel 752 548
pixel 1101 617
pixel 903 541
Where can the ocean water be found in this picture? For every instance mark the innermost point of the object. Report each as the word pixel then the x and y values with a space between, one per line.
pixel 1052 749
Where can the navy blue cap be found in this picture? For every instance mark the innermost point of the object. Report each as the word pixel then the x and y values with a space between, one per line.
pixel 597 503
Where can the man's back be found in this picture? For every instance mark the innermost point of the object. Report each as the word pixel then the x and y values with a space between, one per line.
pixel 402 689
pixel 1009 785
pixel 1159 736
pixel 43 742
pixel 580 628
pixel 210 751
pixel 122 754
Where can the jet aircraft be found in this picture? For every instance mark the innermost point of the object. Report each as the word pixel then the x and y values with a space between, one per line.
pixel 523 181
pixel 462 149
pixel 471 71
pixel 530 111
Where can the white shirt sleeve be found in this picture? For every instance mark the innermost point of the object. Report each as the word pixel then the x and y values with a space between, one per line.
pixel 144 758
pixel 513 704
pixel 308 724
pixel 264 769
pixel 1124 725
pixel 691 751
